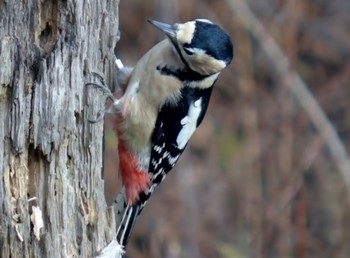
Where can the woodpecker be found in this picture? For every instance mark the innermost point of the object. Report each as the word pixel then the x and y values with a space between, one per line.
pixel 166 97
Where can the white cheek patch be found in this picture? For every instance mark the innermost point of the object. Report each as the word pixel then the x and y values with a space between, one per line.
pixel 196 50
pixel 189 124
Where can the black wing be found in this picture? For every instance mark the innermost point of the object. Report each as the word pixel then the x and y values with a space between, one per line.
pixel 165 150
pixel 165 146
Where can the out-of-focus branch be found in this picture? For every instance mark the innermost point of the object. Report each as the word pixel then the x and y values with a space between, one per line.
pixel 297 87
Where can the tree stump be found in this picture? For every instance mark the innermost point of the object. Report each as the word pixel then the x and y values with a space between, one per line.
pixel 51 185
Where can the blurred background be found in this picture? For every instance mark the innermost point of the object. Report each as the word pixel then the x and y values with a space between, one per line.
pixel 257 179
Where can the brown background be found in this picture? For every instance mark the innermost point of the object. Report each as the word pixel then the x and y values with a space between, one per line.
pixel 256 180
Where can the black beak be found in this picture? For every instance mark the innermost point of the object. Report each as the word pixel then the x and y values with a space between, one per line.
pixel 168 29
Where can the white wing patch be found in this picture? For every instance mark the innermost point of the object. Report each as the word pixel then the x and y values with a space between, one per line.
pixel 189 124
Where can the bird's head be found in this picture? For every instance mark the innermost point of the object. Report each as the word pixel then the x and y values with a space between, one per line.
pixel 202 45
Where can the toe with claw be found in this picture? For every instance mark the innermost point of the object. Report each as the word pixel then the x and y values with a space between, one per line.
pixel 106 91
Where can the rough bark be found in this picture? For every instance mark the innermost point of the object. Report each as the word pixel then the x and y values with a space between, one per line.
pixel 50 156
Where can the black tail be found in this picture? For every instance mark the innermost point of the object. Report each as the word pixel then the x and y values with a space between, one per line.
pixel 126 215
pixel 127 223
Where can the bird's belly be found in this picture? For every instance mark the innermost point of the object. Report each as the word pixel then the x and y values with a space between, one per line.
pixel 137 127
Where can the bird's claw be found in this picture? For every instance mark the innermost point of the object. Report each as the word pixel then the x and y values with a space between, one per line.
pixel 106 91
pixel 99 117
pixel 100 77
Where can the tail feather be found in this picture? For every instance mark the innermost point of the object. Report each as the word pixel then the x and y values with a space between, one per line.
pixel 126 214
pixel 120 205
pixel 127 224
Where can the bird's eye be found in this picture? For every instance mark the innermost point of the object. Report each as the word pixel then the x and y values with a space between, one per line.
pixel 188 51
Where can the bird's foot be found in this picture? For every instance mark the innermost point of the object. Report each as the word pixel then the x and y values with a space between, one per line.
pixel 106 92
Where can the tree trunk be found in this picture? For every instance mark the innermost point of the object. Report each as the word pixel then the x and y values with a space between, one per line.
pixel 51 188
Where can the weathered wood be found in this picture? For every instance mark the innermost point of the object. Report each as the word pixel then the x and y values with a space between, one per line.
pixel 50 156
